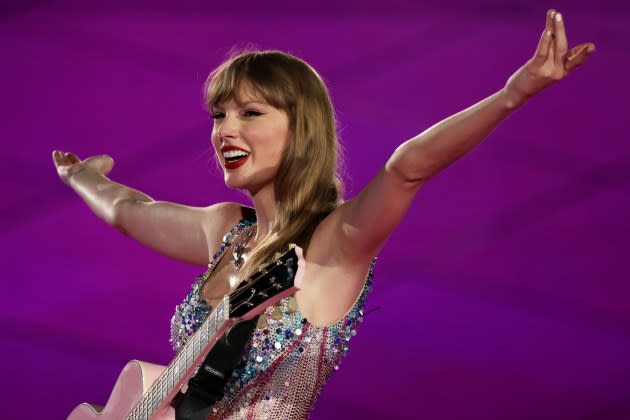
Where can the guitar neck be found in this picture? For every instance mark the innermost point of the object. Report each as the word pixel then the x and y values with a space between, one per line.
pixel 183 366
pixel 275 281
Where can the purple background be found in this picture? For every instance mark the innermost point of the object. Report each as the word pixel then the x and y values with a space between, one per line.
pixel 504 294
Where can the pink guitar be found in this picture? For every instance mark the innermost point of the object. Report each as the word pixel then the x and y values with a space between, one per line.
pixel 144 391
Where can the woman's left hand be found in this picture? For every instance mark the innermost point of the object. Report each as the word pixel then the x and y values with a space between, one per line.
pixel 552 61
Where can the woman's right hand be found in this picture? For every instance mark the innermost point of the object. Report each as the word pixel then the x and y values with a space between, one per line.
pixel 68 164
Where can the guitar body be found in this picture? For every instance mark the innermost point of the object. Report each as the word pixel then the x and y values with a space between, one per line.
pixel 134 380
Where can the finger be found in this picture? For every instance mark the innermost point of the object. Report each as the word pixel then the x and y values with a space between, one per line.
pixel 100 163
pixel 549 21
pixel 94 160
pixel 560 39
pixel 60 158
pixel 578 56
pixel 546 39
pixel 549 25
pixel 108 164
pixel 544 46
pixel 578 49
pixel 72 157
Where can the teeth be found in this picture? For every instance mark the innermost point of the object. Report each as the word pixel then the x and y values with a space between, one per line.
pixel 235 153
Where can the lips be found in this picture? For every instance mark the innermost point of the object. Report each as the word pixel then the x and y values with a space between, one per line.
pixel 236 163
pixel 234 157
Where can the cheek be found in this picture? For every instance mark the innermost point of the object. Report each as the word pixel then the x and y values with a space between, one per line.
pixel 214 139
pixel 283 140
pixel 276 146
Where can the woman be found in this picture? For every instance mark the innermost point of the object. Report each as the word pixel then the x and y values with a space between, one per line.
pixel 274 135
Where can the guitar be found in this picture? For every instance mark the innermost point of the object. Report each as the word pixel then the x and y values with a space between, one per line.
pixel 144 391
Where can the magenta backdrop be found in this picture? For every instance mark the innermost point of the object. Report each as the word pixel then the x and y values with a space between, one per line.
pixel 504 294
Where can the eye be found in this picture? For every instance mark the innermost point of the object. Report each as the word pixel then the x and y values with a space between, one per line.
pixel 252 113
pixel 217 115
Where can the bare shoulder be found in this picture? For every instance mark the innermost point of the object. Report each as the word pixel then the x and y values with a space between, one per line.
pixel 219 218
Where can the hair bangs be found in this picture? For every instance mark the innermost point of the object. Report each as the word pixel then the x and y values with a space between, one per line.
pixel 223 85
pixel 250 76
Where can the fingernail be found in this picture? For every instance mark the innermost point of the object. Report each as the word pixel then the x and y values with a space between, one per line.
pixel 558 17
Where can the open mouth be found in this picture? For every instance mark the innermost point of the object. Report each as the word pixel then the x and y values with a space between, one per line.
pixel 234 158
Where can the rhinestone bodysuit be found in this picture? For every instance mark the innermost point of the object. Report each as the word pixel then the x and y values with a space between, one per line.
pixel 286 361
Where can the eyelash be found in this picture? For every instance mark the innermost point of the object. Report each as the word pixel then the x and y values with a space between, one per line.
pixel 247 113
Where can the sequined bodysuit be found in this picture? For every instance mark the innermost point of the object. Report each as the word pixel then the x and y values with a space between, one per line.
pixel 286 361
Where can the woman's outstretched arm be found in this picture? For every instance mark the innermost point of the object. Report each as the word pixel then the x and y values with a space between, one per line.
pixel 437 147
pixel 181 232
pixel 364 223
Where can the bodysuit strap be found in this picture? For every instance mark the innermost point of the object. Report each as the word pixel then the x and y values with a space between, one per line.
pixel 227 241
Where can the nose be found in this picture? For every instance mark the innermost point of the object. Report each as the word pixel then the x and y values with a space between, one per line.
pixel 228 127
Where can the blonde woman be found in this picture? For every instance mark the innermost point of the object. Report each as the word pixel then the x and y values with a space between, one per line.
pixel 274 135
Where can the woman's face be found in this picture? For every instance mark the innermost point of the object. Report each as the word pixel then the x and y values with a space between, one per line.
pixel 249 137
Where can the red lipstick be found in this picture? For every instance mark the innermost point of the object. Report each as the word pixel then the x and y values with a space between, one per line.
pixel 234 157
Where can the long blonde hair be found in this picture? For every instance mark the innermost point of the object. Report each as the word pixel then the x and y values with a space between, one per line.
pixel 307 185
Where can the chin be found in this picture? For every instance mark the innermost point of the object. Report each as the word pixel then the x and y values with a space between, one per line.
pixel 246 185
pixel 235 182
pixel 232 182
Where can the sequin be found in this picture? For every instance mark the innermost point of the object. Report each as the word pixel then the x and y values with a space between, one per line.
pixel 285 358
pixel 191 313
pixel 277 314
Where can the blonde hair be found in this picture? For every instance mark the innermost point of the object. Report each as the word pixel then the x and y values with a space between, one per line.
pixel 307 184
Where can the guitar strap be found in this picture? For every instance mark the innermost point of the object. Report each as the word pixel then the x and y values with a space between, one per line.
pixel 207 386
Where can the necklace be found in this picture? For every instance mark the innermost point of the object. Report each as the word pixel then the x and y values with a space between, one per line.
pixel 239 246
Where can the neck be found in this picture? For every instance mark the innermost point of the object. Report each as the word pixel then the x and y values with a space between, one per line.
pixel 264 201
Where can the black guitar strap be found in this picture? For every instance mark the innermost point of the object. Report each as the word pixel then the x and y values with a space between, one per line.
pixel 207 386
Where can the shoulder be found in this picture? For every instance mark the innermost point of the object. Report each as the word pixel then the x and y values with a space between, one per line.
pixel 219 218
pixel 226 210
